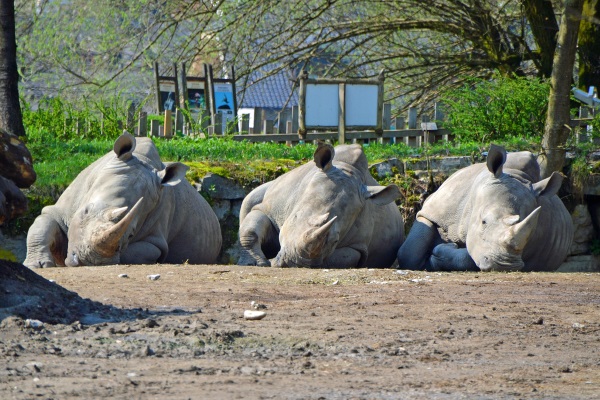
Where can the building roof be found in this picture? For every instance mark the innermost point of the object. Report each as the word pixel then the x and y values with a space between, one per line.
pixel 271 92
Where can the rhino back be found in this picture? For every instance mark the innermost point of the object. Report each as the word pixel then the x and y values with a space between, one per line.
pixel 552 238
pixel 188 224
pixel 449 207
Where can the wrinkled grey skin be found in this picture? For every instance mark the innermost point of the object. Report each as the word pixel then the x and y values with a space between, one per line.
pixel 496 215
pixel 126 208
pixel 329 213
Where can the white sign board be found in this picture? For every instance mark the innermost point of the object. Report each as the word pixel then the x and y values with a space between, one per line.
pixel 361 105
pixel 224 100
pixel 322 105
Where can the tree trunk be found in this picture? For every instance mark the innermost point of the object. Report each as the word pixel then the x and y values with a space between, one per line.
pixel 589 46
pixel 544 27
pixel 11 118
pixel 556 131
pixel 15 160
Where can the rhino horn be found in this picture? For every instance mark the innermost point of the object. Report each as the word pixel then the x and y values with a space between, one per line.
pixel 519 234
pixel 315 238
pixel 108 241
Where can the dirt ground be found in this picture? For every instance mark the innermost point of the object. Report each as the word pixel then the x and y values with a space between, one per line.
pixel 327 334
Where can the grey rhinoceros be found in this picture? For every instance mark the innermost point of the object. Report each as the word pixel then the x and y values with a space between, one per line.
pixel 329 212
pixel 496 215
pixel 126 208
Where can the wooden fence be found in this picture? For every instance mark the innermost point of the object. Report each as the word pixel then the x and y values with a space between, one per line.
pixel 410 129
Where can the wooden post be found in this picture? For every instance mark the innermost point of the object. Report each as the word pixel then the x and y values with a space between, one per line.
pixel 342 113
pixel 157 82
pixel 387 120
pixel 258 120
pixel 282 120
pixel 177 97
pixel 154 128
pixel 143 124
pixel 211 93
pixel 204 119
pixel 294 119
pixel 288 129
pixel 130 115
pixel 379 127
pixel 412 118
pixel 168 129
pixel 412 124
pixel 79 126
pixel 234 94
pixel 245 123
pixel 302 105
pixel 399 125
pixel 268 126
pixel 178 121
pixel 218 125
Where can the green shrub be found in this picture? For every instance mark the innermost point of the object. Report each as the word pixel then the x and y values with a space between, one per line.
pixel 497 109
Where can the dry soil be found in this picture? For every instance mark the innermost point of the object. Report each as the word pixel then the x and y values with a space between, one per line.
pixel 327 334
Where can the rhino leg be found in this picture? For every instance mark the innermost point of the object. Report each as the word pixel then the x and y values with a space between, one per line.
pixel 416 250
pixel 345 257
pixel 46 244
pixel 448 257
pixel 142 253
pixel 257 231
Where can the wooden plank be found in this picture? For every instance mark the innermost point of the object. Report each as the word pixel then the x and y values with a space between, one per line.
pixel 342 113
pixel 143 124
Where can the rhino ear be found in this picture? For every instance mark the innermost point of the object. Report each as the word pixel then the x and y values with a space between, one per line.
pixel 549 186
pixel 496 159
pixel 324 156
pixel 124 146
pixel 382 195
pixel 172 174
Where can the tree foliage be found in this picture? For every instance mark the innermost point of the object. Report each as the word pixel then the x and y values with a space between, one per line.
pixel 497 109
pixel 103 46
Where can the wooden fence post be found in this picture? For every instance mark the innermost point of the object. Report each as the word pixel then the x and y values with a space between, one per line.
pixel 245 123
pixel 178 120
pixel 130 116
pixel 143 124
pixel 258 120
pixel 267 127
pixel 218 125
pixel 294 119
pixel 342 113
pixel 154 128
pixel 412 124
pixel 168 129
pixel 302 105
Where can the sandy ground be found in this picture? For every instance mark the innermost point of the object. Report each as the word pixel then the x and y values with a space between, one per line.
pixel 327 334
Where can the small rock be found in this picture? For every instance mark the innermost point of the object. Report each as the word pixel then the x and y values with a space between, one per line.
pixel 34 323
pixel 254 315
pixel 126 276
pixel 154 277
pixel 258 306
pixel 577 325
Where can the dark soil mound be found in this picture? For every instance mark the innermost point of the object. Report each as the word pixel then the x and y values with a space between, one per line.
pixel 25 294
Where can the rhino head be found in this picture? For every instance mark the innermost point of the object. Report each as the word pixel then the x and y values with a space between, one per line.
pixel 121 197
pixel 329 208
pixel 505 213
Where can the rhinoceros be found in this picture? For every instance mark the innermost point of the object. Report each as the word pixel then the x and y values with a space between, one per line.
pixel 126 208
pixel 496 215
pixel 329 212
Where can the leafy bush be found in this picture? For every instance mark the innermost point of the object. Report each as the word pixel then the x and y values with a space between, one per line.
pixel 55 118
pixel 499 108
